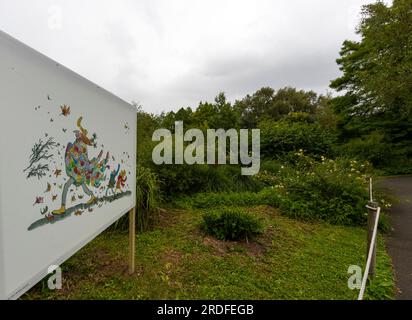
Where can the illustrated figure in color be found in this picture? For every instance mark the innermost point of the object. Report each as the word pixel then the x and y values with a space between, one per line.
pixel 121 180
pixel 112 180
pixel 80 169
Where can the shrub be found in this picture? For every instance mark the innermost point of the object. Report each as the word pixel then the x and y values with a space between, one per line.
pixel 147 196
pixel 189 179
pixel 231 224
pixel 330 190
pixel 279 138
pixel 372 147
pixel 390 157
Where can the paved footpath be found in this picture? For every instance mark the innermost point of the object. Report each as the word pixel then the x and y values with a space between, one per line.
pixel 399 241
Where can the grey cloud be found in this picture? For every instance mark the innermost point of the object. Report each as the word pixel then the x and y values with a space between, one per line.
pixel 168 55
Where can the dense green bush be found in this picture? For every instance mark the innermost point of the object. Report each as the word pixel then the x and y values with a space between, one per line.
pixel 372 147
pixel 281 137
pixel 231 224
pixel 330 190
pixel 190 179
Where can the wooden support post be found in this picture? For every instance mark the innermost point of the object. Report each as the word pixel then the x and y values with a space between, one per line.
pixel 372 210
pixel 132 240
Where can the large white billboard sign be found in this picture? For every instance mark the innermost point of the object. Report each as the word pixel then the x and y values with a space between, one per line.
pixel 67 164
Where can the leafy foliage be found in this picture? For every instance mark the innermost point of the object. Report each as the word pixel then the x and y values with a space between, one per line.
pixel 278 138
pixel 267 103
pixel 377 79
pixel 147 196
pixel 329 190
pixel 190 179
pixel 231 224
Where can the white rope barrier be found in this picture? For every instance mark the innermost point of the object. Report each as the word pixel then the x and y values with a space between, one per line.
pixel 370 252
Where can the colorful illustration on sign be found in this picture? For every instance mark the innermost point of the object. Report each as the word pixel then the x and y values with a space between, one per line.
pixel 80 170
pixel 76 176
pixel 112 180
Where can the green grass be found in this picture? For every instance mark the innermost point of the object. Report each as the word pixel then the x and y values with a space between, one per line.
pixel 291 260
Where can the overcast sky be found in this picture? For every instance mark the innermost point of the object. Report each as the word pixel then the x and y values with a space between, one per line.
pixel 174 53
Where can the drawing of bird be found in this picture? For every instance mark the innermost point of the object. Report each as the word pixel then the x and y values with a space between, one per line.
pixel 57 172
pixel 54 197
pixel 78 213
pixel 44 210
pixel 48 98
pixel 48 187
pixel 64 130
pixel 73 198
pixel 65 110
pixel 38 200
pixel 51 120
pixel 81 197
pixel 90 209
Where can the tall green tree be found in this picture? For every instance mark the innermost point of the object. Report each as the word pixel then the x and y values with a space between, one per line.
pixel 266 103
pixel 377 70
pixel 377 77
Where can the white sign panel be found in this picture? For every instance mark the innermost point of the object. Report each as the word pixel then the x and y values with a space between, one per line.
pixel 67 164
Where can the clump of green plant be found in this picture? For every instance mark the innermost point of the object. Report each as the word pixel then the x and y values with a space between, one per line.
pixel 231 224
pixel 147 201
pixel 147 196
pixel 330 190
pixel 178 180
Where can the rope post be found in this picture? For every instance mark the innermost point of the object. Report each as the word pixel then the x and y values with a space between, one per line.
pixel 370 190
pixel 132 240
pixel 372 211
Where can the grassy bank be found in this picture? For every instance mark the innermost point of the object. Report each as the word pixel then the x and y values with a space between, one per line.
pixel 291 260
